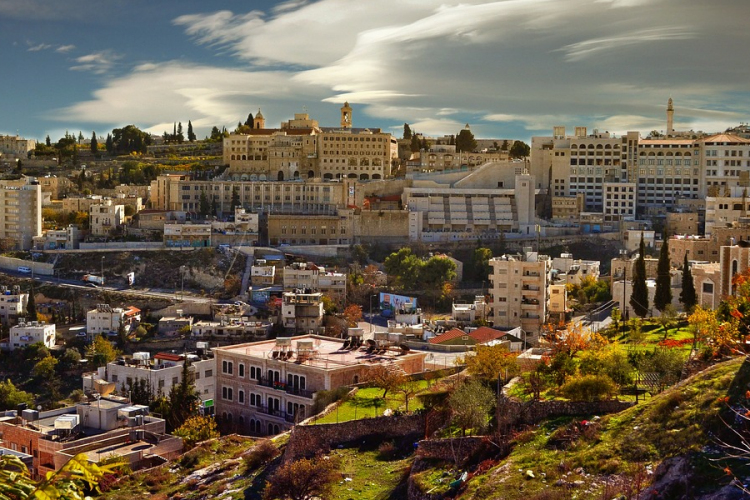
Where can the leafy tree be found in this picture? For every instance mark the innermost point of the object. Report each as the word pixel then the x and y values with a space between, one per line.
pixel 130 139
pixel 303 479
pixel 196 429
pixel 489 363
pixel 109 145
pixel 424 144
pixel 80 137
pixel 180 136
pixel 11 396
pixel 407 131
pixel 562 366
pixel 616 318
pixel 385 377
pixel 666 318
pixel 47 141
pixel 403 267
pixel 44 369
pixel 480 264
pixel 183 401
pixel 663 294
pixel 70 358
pixel 415 145
pixel 190 134
pixel 471 405
pixel 435 272
pixel 465 141
pixel 519 149
pixel 249 122
pixel 504 146
pixel 100 351
pixel 688 297
pixel 589 388
pixel 666 364
pixel 31 306
pixel 71 482
pixel 94 143
pixel 216 135
pixel 140 392
pixel 235 201
pixel 204 205
pixel 639 295
pixel 611 362
pixel 352 315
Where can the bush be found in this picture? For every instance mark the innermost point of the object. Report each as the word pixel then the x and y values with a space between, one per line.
pixel 589 388
pixel 387 450
pixel 324 398
pixel 260 454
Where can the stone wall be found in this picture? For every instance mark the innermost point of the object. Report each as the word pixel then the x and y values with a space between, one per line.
pixel 456 450
pixel 511 413
pixel 12 264
pixel 307 440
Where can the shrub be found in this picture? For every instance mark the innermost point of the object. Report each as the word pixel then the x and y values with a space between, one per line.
pixel 324 398
pixel 589 388
pixel 259 454
pixel 387 450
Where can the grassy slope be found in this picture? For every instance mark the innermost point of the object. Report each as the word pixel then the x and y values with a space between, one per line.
pixel 673 423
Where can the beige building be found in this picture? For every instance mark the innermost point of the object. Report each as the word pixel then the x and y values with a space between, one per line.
pixel 187 235
pixel 685 223
pixel 301 149
pixel 572 271
pixel 520 291
pixel 620 199
pixel 58 187
pixel 25 334
pixel 442 157
pixel 309 230
pixel 568 208
pixel 302 311
pixel 620 267
pixel 16 145
pixel 558 302
pixel 266 387
pixel 68 238
pixel 106 217
pixel 21 218
pixel 232 327
pixel 707 281
pixel 697 248
pixel 106 319
pixel 733 260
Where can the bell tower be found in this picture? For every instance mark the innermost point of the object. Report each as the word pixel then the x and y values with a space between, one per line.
pixel 346 116
pixel 259 121
pixel 670 118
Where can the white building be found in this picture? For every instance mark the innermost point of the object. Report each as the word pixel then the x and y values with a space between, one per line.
pixel 159 374
pixel 105 217
pixel 572 271
pixel 12 304
pixel 105 319
pixel 302 311
pixel 314 277
pixel 22 213
pixel 24 334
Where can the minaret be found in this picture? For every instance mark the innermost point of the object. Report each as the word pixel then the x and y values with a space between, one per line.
pixel 259 121
pixel 346 116
pixel 670 118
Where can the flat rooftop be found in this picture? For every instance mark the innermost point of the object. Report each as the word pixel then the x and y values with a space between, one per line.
pixel 328 352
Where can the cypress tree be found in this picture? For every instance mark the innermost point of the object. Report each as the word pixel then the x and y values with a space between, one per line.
pixel 663 295
pixel 639 296
pixel 31 306
pixel 688 295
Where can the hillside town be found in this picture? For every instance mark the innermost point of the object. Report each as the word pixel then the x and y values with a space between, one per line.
pixel 297 288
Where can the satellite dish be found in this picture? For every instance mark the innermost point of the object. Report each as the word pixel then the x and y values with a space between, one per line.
pixel 39 407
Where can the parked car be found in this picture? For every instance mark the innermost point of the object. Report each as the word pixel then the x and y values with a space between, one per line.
pixel 24 269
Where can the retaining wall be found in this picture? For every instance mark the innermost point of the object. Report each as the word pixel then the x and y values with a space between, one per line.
pixel 511 413
pixel 41 268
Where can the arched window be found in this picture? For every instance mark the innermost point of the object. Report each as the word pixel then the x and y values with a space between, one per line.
pixel 280 176
pixel 310 174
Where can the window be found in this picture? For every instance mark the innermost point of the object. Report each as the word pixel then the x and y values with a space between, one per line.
pixel 227 367
pixel 241 396
pixel 208 373
pixel 226 393
pixel 241 370
pixel 255 373
pixel 175 380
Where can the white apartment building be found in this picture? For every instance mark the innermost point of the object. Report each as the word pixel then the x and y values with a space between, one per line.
pixel 520 291
pixel 105 319
pixel 23 335
pixel 12 304
pixel 105 217
pixel 726 163
pixel 572 271
pixel 21 217
pixel 159 374
pixel 231 327
pixel 306 275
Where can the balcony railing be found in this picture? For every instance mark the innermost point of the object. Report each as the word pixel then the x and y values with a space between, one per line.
pixel 283 386
pixel 289 417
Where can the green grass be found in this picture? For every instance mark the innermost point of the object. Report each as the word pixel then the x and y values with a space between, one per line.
pixel 368 402
pixel 370 476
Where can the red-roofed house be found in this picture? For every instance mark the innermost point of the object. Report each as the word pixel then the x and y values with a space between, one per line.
pixel 456 336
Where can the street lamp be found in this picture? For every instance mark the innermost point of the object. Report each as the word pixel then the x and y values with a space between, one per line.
pixel 102 268
pixel 371 297
pixel 182 283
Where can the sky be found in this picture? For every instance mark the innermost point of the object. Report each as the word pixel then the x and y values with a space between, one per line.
pixel 510 68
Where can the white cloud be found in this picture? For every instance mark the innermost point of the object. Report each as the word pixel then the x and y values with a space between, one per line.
pixel 501 65
pixel 38 47
pixel 65 48
pixel 96 62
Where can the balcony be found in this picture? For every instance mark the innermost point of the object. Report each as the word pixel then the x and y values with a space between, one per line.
pixel 283 386
pixel 289 417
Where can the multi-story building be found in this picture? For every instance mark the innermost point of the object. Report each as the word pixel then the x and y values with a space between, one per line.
pixel 16 145
pixel 707 281
pixel 157 375
pixel 725 163
pixel 620 199
pixel 106 217
pixel 21 218
pixel 470 312
pixel 558 302
pixel 572 271
pixel 307 275
pixel 685 223
pixel 24 334
pixel 302 311
pixel 232 327
pixel 303 149
pixel 310 230
pixel 266 387
pixel 262 273
pixel 520 291
pixel 187 235
pixel 733 260
pixel 445 157
pixel 107 427
pixel 54 239
pixel 667 170
pixel 454 212
pixel 107 319
pixel 568 208
pixel 12 304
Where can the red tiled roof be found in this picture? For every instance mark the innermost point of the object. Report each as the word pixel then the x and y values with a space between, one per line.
pixel 449 335
pixel 484 334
